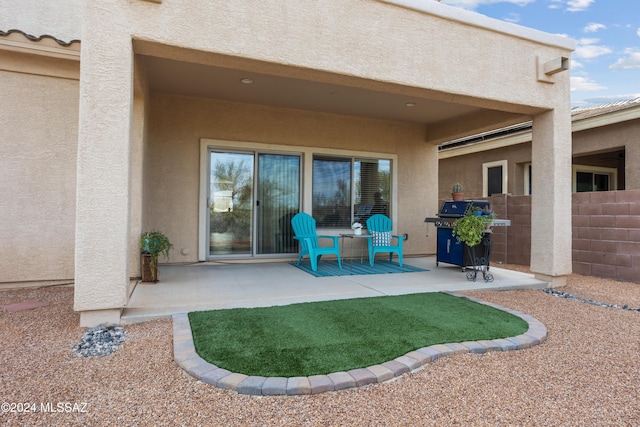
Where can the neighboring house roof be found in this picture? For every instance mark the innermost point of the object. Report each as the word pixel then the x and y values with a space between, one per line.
pixel 585 112
pixel 581 119
pixel 18 40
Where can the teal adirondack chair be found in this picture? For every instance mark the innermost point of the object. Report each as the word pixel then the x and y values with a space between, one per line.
pixel 379 226
pixel 304 227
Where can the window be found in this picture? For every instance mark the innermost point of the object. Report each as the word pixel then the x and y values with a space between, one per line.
pixel 494 178
pixel 592 178
pixel 349 189
pixel 527 179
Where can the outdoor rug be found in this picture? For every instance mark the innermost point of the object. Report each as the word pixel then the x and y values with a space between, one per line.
pixel 330 268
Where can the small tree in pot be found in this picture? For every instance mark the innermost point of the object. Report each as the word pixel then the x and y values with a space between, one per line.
pixel 152 244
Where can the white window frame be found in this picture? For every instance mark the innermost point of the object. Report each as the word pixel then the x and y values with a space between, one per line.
pixel 485 176
pixel 612 172
pixel 307 177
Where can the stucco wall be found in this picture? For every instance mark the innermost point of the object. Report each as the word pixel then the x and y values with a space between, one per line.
pixel 467 169
pixel 38 140
pixel 611 137
pixel 332 42
pixel 176 125
pixel 60 19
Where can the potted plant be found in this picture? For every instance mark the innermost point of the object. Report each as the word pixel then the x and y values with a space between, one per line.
pixel 470 228
pixel 457 194
pixel 152 244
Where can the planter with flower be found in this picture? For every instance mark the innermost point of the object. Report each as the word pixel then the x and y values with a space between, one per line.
pixel 152 244
pixel 474 230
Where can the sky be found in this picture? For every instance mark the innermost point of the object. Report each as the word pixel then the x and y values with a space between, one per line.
pixel 605 67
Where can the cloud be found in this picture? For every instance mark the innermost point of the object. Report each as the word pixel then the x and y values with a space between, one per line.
pixel 584 83
pixel 630 62
pixel 593 27
pixel 555 4
pixel 578 5
pixel 572 5
pixel 638 32
pixel 513 18
pixel 588 49
pixel 474 4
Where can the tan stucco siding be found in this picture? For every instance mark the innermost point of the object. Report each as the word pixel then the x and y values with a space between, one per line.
pixel 398 49
pixel 38 141
pixel 171 183
pixel 467 170
pixel 364 44
pixel 60 19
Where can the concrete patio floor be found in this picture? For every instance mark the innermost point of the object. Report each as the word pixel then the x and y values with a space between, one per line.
pixel 210 286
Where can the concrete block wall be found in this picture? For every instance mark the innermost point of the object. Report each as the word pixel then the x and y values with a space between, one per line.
pixel 606 234
pixel 517 237
pixel 499 238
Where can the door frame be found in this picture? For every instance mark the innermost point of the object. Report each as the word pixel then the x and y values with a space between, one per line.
pixel 206 148
pixel 306 154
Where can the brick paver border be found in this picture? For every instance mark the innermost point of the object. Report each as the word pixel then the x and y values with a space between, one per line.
pixel 184 353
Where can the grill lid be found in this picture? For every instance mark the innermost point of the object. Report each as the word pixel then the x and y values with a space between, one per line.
pixel 452 209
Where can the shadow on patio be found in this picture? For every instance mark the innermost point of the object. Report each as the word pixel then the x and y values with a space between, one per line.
pixel 206 286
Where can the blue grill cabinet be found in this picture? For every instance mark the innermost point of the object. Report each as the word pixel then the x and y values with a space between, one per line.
pixel 448 248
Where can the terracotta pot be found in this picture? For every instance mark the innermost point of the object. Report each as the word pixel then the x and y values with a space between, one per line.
pixel 457 197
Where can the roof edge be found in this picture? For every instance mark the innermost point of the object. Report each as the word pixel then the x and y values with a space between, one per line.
pixel 39 38
pixel 19 41
pixel 482 21
pixel 522 133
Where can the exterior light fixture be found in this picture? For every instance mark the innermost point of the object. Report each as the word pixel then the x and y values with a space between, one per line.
pixel 410 104
pixel 556 65
pixel 546 71
pixel 246 81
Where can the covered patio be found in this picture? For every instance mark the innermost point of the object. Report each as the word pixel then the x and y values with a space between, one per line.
pixel 224 136
pixel 219 285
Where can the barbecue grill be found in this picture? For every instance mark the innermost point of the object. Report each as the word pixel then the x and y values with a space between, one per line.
pixel 449 250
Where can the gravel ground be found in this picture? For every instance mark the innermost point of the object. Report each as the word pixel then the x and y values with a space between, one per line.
pixel 586 373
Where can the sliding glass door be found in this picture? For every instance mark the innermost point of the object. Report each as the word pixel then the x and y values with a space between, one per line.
pixel 231 203
pixel 252 197
pixel 278 202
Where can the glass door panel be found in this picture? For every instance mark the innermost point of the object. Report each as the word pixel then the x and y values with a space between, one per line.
pixel 231 204
pixel 278 201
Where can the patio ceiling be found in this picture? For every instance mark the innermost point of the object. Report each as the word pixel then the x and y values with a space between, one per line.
pixel 394 102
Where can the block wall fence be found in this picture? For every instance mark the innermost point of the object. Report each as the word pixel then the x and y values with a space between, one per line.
pixel 605 233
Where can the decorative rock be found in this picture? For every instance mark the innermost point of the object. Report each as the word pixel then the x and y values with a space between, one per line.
pixel 561 294
pixel 101 340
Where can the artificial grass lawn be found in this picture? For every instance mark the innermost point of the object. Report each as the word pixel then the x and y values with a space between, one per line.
pixel 334 336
